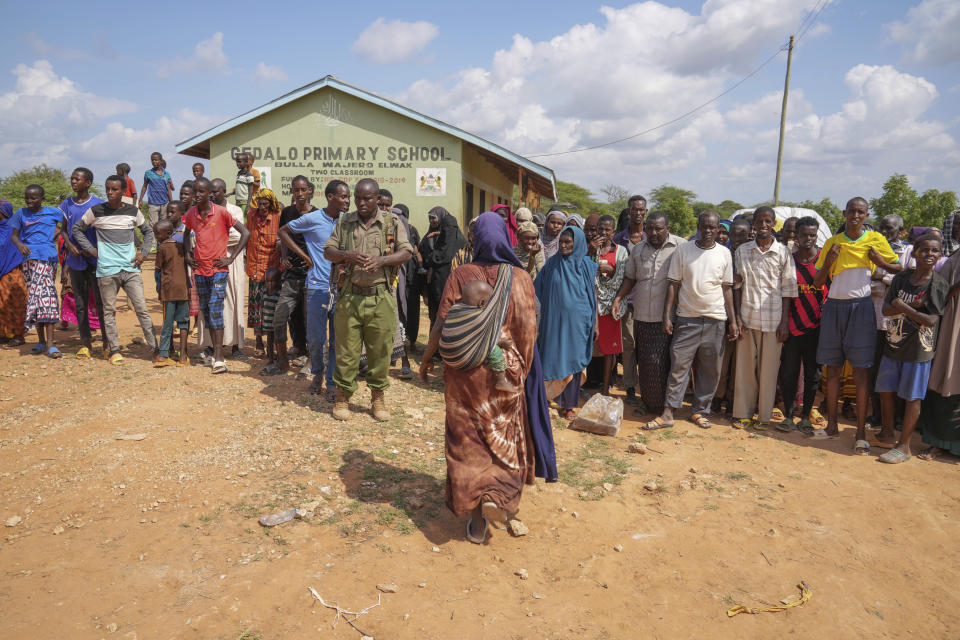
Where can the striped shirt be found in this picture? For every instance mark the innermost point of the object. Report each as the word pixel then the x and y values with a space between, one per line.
pixel 806 308
pixel 768 277
pixel 116 236
pixel 269 309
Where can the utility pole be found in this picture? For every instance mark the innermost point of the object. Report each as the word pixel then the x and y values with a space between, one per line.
pixel 783 124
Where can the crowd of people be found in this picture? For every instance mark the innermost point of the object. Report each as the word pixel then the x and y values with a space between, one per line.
pixel 527 311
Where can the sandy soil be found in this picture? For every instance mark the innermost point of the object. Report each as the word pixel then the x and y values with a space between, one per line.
pixel 158 538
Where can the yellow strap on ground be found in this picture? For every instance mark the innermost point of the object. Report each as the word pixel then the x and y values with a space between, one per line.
pixel 805 594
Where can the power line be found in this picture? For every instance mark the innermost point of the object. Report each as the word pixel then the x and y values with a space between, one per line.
pixel 816 14
pixel 669 122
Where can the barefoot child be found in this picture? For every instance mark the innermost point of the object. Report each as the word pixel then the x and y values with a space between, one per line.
pixel 174 293
pixel 475 296
pixel 913 303
pixel 35 235
pixel 271 295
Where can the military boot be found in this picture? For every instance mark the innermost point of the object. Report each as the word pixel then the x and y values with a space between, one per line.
pixel 341 410
pixel 379 406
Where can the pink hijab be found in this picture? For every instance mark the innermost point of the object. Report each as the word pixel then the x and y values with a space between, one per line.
pixel 511 222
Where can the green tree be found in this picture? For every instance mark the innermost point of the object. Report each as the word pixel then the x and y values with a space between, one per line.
pixel 677 203
pixel 699 207
pixel 898 197
pixel 574 197
pixel 727 208
pixel 55 183
pixel 831 213
pixel 932 208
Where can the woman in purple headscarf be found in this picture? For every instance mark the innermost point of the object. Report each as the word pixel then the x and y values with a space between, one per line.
pixel 491 452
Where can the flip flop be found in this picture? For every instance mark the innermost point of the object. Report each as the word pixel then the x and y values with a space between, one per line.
pixel 786 426
pixel 83 353
pixel 219 366
pixel 657 423
pixel 894 456
pixel 406 374
pixel 54 353
pixel 482 537
pixel 862 447
pixel 740 423
pixel 116 359
pixel 38 349
pixel 929 455
pixel 271 370
pixel 761 425
pixel 805 427
pixel 701 421
pixel 821 434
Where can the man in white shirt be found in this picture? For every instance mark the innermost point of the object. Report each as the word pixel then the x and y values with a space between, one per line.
pixel 701 278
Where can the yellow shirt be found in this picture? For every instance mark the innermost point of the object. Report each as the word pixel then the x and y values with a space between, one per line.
pixel 854 254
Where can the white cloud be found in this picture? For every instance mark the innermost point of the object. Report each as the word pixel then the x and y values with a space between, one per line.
pixel 208 56
pixel 42 103
pixel 269 73
pixel 930 31
pixel 385 41
pixel 767 109
pixel 48 118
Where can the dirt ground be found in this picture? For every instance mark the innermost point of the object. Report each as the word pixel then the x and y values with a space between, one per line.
pixel 158 537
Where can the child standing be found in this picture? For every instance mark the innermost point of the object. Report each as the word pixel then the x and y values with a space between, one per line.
pixel 263 253
pixel 174 293
pixel 210 260
pixel 271 295
pixel 244 190
pixel 914 303
pixel 130 192
pixel 158 186
pixel 81 266
pixel 35 233
pixel 848 329
pixel 118 261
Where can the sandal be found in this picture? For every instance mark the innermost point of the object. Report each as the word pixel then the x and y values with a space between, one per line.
pixel 821 434
pixel 116 359
pixel 760 425
pixel 406 374
pixel 482 537
pixel 805 427
pixel 657 423
pixel 862 447
pixel 740 423
pixel 817 418
pixel 54 353
pixel 894 456
pixel 701 421
pixel 219 366
pixel 930 454
pixel 777 416
pixel 299 361
pixel 786 426
pixel 568 414
pixel 38 349
pixel 259 353
pixel 83 353
pixel 271 370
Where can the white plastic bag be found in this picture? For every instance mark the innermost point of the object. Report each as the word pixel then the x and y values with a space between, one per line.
pixel 601 415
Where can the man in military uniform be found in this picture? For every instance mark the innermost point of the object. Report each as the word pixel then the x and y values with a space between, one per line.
pixel 367 245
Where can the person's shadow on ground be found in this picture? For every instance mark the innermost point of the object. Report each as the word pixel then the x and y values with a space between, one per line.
pixel 419 496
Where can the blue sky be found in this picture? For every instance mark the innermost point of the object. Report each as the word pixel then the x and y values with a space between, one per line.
pixel 873 90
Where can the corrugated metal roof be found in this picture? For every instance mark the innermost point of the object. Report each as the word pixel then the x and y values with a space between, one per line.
pixel 199 145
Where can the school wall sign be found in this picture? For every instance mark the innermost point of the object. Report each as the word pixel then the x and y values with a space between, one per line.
pixel 332 130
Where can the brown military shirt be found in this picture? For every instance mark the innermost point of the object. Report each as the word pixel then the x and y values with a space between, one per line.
pixel 369 241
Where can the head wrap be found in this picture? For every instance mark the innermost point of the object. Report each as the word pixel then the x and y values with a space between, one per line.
pixel 523 215
pixel 401 210
pixel 528 227
pixel 916 232
pixel 269 195
pixel 538 219
pixel 565 289
pixel 491 243
pixel 949 226
pixel 576 219
pixel 549 241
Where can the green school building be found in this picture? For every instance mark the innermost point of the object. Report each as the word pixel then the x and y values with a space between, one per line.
pixel 332 130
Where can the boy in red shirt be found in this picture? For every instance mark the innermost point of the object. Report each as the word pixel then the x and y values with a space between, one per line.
pixel 210 260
